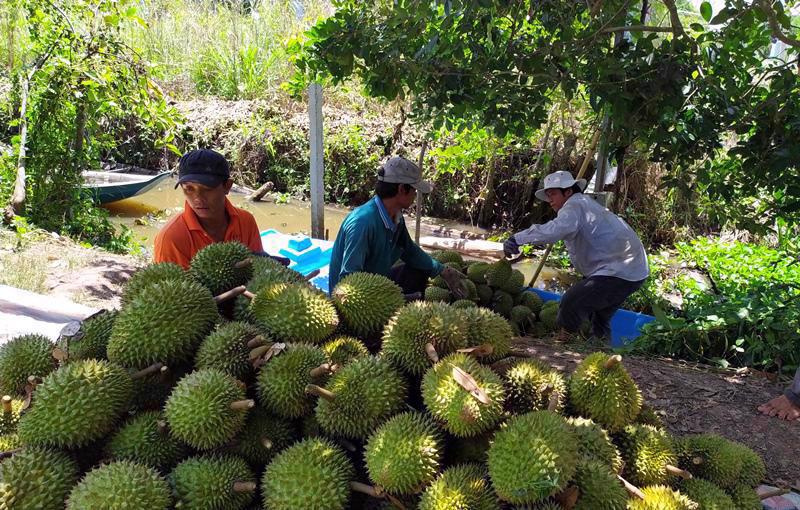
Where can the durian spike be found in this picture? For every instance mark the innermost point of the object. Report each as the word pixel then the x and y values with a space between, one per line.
pixel 612 361
pixel 243 404
pixel 240 487
pixel 9 453
pixel 322 370
pixel 256 341
pixel 152 369
pixel 568 498
pixel 320 392
pixel 7 404
pixel 244 263
pixel 678 472
pixel 430 350
pixel 632 489
pixel 778 491
pixel 259 351
pixel 467 382
pixel 266 443
pixel 230 294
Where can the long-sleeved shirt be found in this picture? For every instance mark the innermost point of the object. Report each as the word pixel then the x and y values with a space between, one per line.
pixel 369 240
pixel 793 391
pixel 599 242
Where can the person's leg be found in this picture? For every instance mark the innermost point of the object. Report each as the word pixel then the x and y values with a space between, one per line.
pixel 786 406
pixel 409 279
pixel 595 298
pixel 616 291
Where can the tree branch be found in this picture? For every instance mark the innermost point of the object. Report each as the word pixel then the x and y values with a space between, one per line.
pixel 674 18
pixel 775 26
pixel 637 28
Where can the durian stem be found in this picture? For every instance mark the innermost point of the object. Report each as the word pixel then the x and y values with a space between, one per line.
pixel 320 392
pixel 430 350
pixel 632 489
pixel 34 381
pixel 7 404
pixel 243 404
pixel 311 275
pixel 679 472
pixel 161 426
pixel 152 369
pixel 249 295
pixel 257 341
pixel 773 492
pixel 612 361
pixel 363 488
pixel 546 389
pixel 259 351
pixel 9 453
pixel 266 443
pixel 241 487
pixel 698 460
pixel 552 402
pixel 478 351
pixel 322 370
pixel 228 295
pixel 243 263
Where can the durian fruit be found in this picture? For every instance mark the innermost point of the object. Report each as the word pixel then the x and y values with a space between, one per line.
pixel 707 495
pixel 471 289
pixel 521 314
pixel 602 390
pixel 753 468
pixel 227 348
pixel 294 312
pixel 164 323
pixel 463 303
pixel 36 479
pixel 206 409
pixel 485 295
pixel 266 271
pixel 9 414
pixel 502 303
pixel 485 327
pixel 498 273
pixel 9 442
pixel 463 412
pixel 145 439
pixel 148 275
pixel 594 443
pixel 532 385
pixel 404 454
pixel 659 497
pixel 449 257
pixel 598 487
pixel 745 498
pixel 463 487
pixel 533 456
pixel 515 283
pixel 358 397
pixel 477 272
pixel 719 460
pixel 366 302
pixel 313 473
pixel 439 282
pixel 22 357
pixel 93 337
pixel 531 300
pixel 212 482
pixel 648 416
pixel 283 379
pixel 548 315
pixel 344 349
pixel 420 332
pixel 648 452
pixel 219 267
pixel 263 436
pixel 121 485
pixel 437 294
pixel 77 404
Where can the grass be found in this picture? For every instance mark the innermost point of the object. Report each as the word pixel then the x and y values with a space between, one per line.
pixel 23 271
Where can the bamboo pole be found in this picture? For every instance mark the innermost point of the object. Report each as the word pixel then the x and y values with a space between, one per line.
pixel 418 221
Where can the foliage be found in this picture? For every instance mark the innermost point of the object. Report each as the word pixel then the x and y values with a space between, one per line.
pixel 748 316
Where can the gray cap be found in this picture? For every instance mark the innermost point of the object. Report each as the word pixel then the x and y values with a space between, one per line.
pixel 402 171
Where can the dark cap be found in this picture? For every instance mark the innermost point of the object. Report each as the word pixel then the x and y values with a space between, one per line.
pixel 203 166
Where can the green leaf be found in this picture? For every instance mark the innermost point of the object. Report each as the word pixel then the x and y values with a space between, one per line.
pixel 697 27
pixel 706 11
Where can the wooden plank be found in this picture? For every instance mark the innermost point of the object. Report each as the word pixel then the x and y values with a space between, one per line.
pixel 472 247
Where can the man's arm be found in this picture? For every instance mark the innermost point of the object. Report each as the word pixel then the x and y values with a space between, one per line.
pixel 415 257
pixel 563 225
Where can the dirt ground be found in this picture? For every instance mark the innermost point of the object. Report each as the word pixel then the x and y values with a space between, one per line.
pixel 693 398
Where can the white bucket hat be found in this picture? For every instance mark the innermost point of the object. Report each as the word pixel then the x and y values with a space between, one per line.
pixel 400 170
pixel 560 179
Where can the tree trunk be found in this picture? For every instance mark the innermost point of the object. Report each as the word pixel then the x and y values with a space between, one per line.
pixel 80 128
pixel 11 32
pixel 16 206
pixel 487 207
pixel 621 187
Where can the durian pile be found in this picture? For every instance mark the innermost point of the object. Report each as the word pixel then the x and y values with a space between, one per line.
pixel 237 385
pixel 498 287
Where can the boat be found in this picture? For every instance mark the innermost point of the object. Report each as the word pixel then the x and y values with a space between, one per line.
pixel 105 187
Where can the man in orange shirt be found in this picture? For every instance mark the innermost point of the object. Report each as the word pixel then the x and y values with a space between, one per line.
pixel 208 216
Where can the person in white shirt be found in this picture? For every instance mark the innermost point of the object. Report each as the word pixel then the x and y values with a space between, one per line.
pixel 601 246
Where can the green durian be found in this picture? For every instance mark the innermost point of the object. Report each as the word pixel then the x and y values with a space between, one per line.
pixel 448 257
pixel 266 271
pixel 213 482
pixel 515 283
pixel 10 442
pixel 24 356
pixel 145 439
pixel 521 314
pixel 745 498
pixel 226 349
pixel 219 267
pixel 294 312
pixel 498 273
pixel 93 338
pixel 716 459
pixel 502 303
pixel 36 479
pixel 463 487
pixel 598 487
pixel 484 327
pixel 647 451
pixel 531 300
pixel 594 443
pixel 283 379
pixel 463 303
pixel 9 415
pixel 366 302
pixel 707 495
pixel 264 435
pixel 121 485
pixel 531 385
pixel 602 390
pixel 437 294
pixel 477 272
pixel 485 295
pixel 659 497
pixel 148 275
pixel 344 349
pixel 548 315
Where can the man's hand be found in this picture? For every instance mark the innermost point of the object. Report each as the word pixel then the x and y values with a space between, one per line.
pixel 453 279
pixel 510 247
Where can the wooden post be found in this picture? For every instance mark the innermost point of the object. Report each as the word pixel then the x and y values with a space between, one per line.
pixel 602 157
pixel 419 195
pixel 317 152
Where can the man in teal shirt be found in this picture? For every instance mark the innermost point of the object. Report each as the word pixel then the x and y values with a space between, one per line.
pixel 374 236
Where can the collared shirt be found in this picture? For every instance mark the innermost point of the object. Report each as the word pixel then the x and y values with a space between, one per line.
pixel 183 236
pixel 599 242
pixel 369 240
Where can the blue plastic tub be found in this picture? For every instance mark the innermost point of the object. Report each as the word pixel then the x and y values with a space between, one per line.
pixel 625 325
